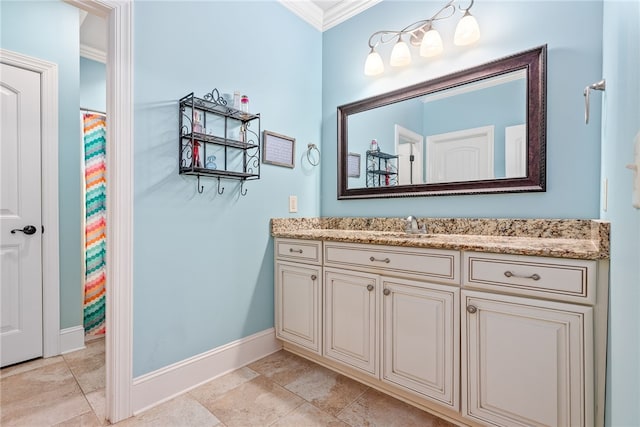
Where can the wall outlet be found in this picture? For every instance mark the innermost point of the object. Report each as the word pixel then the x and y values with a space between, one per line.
pixel 293 204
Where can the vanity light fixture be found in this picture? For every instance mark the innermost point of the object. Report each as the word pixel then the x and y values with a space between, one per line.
pixel 421 33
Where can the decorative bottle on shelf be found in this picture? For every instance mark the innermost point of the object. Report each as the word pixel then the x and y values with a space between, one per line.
pixel 244 104
pixel 236 100
pixel 374 145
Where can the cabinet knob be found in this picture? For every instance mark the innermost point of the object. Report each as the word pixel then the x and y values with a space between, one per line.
pixel 511 274
pixel 472 308
pixel 369 288
pixel 313 277
pixel 386 291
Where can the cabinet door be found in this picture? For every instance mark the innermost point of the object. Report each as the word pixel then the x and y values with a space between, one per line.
pixel 420 339
pixel 526 362
pixel 297 304
pixel 350 319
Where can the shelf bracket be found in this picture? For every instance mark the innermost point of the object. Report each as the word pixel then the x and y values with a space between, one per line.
pixel 200 187
pixel 243 193
pixel 220 190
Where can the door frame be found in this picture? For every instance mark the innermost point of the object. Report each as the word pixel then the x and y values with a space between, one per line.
pixel 48 72
pixel 119 268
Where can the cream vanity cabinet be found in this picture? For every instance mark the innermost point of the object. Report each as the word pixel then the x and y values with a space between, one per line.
pixel 386 315
pixel 528 361
pixel 298 292
pixel 484 339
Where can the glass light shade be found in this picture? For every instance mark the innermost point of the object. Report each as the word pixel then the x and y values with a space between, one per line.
pixel 431 44
pixel 373 65
pixel 400 55
pixel 467 31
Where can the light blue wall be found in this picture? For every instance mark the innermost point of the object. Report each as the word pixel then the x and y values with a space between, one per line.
pixel 507 27
pixel 621 123
pixel 93 85
pixel 204 262
pixel 49 30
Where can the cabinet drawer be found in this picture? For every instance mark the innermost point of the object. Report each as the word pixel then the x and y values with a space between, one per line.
pixel 435 264
pixel 302 250
pixel 563 279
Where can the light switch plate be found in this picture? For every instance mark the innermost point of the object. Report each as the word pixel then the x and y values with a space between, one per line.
pixel 293 204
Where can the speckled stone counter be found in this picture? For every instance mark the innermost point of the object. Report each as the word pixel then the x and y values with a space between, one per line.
pixel 564 238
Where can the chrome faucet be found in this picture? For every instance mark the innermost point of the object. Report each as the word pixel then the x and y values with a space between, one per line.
pixel 412 226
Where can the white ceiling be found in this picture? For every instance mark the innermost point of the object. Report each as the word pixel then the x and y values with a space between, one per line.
pixel 321 14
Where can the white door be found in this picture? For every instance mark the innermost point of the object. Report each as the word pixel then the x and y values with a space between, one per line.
pixel 526 362
pixel 20 251
pixel 298 304
pixel 409 147
pixel 350 317
pixel 515 151
pixel 420 339
pixel 465 155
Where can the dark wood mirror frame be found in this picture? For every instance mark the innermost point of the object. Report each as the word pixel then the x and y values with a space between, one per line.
pixel 532 61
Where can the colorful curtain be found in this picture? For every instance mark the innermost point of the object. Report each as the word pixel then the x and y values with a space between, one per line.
pixel 95 223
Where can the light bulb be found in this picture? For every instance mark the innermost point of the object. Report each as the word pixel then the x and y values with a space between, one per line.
pixel 400 55
pixel 431 44
pixel 467 31
pixel 373 65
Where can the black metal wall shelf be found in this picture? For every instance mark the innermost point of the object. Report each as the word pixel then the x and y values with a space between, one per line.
pixel 218 141
pixel 382 169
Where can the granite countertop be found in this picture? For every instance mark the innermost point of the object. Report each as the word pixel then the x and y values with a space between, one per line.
pixel 564 238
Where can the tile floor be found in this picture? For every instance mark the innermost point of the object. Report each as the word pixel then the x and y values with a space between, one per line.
pixel 280 390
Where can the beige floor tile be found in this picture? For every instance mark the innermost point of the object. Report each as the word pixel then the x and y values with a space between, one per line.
pixel 282 367
pixel 41 397
pixel 27 366
pixel 210 391
pixel 258 402
pixel 97 400
pixel 377 409
pixel 326 389
pixel 308 415
pixel 183 411
pixel 88 419
pixel 88 366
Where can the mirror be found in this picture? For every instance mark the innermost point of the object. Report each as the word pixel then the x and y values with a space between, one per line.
pixel 480 130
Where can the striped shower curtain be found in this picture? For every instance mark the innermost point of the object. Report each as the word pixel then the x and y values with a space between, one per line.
pixel 94 126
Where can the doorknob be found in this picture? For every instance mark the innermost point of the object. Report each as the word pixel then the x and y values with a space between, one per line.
pixel 28 229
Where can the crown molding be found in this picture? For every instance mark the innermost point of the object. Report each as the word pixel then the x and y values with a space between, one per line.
pixel 322 21
pixel 93 53
pixel 307 11
pixel 345 10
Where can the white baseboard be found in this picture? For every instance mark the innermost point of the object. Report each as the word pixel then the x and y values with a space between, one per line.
pixel 71 339
pixel 163 384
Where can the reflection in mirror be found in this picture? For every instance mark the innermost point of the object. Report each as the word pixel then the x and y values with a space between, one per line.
pixel 478 130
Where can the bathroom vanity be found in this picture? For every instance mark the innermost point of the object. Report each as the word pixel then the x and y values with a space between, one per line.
pixel 482 322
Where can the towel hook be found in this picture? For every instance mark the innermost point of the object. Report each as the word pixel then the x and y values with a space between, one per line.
pixel 220 191
pixel 601 85
pixel 199 187
pixel 310 148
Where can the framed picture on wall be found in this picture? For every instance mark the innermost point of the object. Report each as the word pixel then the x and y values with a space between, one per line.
pixel 278 149
pixel 353 165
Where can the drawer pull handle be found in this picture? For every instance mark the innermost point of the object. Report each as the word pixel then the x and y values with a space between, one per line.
pixel 386 291
pixel 299 251
pixel 369 288
pixel 472 308
pixel 313 277
pixel 533 276
pixel 386 260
